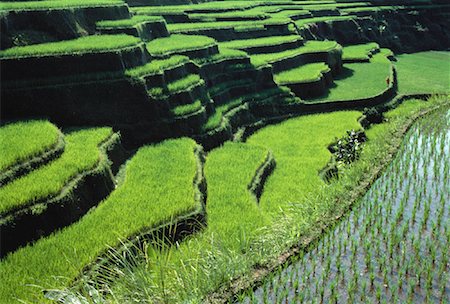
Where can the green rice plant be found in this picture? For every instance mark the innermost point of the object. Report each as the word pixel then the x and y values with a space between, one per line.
pixel 177 43
pixel 157 66
pixel 55 4
pixel 83 45
pixel 423 72
pixel 81 154
pixel 24 140
pixel 187 108
pixel 359 51
pixel 197 26
pixel 308 47
pixel 359 80
pixel 158 187
pixel 224 54
pixel 304 73
pixel 259 42
pixel 185 83
pixel 123 23
pixel 304 22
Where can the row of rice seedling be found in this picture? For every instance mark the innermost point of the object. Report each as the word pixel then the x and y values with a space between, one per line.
pixel 393 247
pixel 224 54
pixel 224 16
pixel 157 187
pixel 423 72
pixel 83 45
pixel 304 73
pixel 81 154
pixel 359 51
pixel 22 141
pixel 55 4
pixel 178 44
pixel 309 47
pixel 360 80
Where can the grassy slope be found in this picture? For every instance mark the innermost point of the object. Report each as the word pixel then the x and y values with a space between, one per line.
pixel 257 42
pixel 88 44
pixel 23 140
pixel 360 80
pixel 81 154
pixel 157 186
pixel 300 148
pixel 424 72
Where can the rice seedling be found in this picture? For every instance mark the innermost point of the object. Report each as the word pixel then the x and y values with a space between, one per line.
pixel 56 4
pixel 22 141
pixel 304 73
pixel 359 51
pixel 402 259
pixel 133 21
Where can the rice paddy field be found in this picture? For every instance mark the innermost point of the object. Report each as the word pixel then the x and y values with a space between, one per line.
pixel 393 246
pixel 231 151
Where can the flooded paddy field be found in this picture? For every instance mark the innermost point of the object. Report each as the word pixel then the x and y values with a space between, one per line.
pixel 393 247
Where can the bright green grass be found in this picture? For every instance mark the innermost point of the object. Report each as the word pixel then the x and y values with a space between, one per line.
pixel 157 187
pixel 187 108
pixel 128 22
pixel 300 149
pixel 55 4
pixel 304 73
pixel 81 154
pixel 187 27
pixel 157 66
pixel 184 83
pixel 360 80
pixel 258 42
pixel 21 141
pixel 309 47
pixel 424 72
pixel 87 44
pixel 290 13
pixel 359 51
pixel 302 22
pixel 177 43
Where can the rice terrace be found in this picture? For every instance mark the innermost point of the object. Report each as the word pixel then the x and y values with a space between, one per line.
pixel 241 151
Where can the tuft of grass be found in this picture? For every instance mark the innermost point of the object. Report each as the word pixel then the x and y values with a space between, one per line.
pixel 24 140
pixel 83 45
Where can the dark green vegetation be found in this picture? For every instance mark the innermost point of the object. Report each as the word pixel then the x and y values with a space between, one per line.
pixel 229 114
pixel 394 246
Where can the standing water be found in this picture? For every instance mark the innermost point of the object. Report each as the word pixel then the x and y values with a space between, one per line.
pixel 394 246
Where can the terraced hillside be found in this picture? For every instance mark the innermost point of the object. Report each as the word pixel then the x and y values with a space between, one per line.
pixel 177 151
